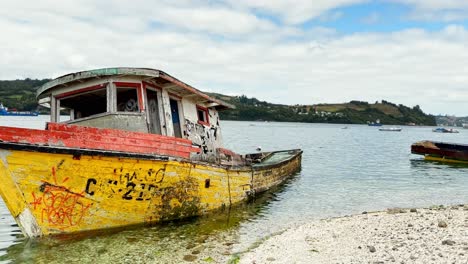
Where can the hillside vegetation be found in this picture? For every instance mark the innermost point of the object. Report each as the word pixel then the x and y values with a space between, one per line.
pixel 21 95
pixel 354 112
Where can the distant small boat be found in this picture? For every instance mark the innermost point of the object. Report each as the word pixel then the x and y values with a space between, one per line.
pixel 4 112
pixel 444 130
pixel 344 127
pixel 465 125
pixel 393 129
pixel 376 123
pixel 441 151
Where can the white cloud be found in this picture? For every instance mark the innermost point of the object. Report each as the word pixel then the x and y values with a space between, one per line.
pixel 214 20
pixel 139 15
pixel 330 16
pixel 256 57
pixel 436 4
pixel 437 10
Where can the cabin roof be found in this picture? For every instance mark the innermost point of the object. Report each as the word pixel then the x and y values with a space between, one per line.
pixel 154 76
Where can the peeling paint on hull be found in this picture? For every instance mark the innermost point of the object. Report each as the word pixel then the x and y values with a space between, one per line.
pixel 55 192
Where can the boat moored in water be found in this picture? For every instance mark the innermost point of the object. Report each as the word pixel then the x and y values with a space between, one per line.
pixel 376 123
pixel 441 151
pixel 140 147
pixel 444 130
pixel 391 129
pixel 4 111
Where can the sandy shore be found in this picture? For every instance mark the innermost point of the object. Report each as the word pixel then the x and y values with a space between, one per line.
pixel 428 235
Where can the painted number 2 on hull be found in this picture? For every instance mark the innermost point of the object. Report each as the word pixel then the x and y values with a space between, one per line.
pixel 131 189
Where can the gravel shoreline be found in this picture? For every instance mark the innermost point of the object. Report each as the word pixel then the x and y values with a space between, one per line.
pixel 426 235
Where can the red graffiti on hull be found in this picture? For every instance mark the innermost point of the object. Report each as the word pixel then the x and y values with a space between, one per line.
pixel 60 207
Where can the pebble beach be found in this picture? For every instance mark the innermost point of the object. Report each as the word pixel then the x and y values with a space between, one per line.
pixel 425 235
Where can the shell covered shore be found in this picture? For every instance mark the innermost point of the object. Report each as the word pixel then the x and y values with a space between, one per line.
pixel 427 235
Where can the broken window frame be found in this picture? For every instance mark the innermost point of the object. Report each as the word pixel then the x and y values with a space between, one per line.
pixel 73 112
pixel 206 115
pixel 139 97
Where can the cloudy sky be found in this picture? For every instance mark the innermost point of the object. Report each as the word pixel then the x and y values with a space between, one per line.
pixel 293 52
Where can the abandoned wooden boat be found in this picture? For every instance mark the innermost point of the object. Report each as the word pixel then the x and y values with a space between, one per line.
pixel 140 147
pixel 440 151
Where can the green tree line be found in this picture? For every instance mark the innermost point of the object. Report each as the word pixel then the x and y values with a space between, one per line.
pixel 20 94
pixel 354 112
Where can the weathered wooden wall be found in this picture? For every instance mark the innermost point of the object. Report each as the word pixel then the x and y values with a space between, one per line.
pixel 128 121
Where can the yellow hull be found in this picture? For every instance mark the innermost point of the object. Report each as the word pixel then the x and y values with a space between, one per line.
pixel 442 159
pixel 50 193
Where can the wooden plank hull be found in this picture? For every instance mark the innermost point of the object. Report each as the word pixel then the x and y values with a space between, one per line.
pixel 52 190
pixel 440 151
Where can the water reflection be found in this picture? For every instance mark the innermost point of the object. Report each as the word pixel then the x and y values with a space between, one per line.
pixel 344 171
pixel 166 243
pixel 429 164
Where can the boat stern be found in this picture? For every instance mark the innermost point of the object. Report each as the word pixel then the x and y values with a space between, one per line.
pixel 423 147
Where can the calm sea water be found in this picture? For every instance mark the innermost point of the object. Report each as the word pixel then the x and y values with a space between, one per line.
pixel 344 171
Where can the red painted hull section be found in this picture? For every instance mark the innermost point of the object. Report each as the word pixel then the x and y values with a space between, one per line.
pixel 81 137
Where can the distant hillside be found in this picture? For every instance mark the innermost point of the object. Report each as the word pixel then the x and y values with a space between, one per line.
pixel 354 112
pixel 20 94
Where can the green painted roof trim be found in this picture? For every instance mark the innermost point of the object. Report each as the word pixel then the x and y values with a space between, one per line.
pixel 127 71
pixel 62 80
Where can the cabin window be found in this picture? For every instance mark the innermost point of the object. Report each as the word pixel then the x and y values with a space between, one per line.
pixel 202 113
pixel 86 103
pixel 127 99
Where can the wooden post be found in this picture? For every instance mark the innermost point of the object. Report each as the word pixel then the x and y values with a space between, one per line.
pixel 57 112
pixel 53 109
pixel 111 98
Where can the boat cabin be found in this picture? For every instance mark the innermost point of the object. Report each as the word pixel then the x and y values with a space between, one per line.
pixel 136 99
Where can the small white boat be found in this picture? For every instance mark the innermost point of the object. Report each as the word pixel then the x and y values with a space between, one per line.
pixel 393 129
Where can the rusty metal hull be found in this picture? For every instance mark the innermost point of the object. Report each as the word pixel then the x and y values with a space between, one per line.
pixel 440 151
pixel 53 190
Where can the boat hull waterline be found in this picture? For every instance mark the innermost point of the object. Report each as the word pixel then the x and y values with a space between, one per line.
pixel 55 191
pixel 441 151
